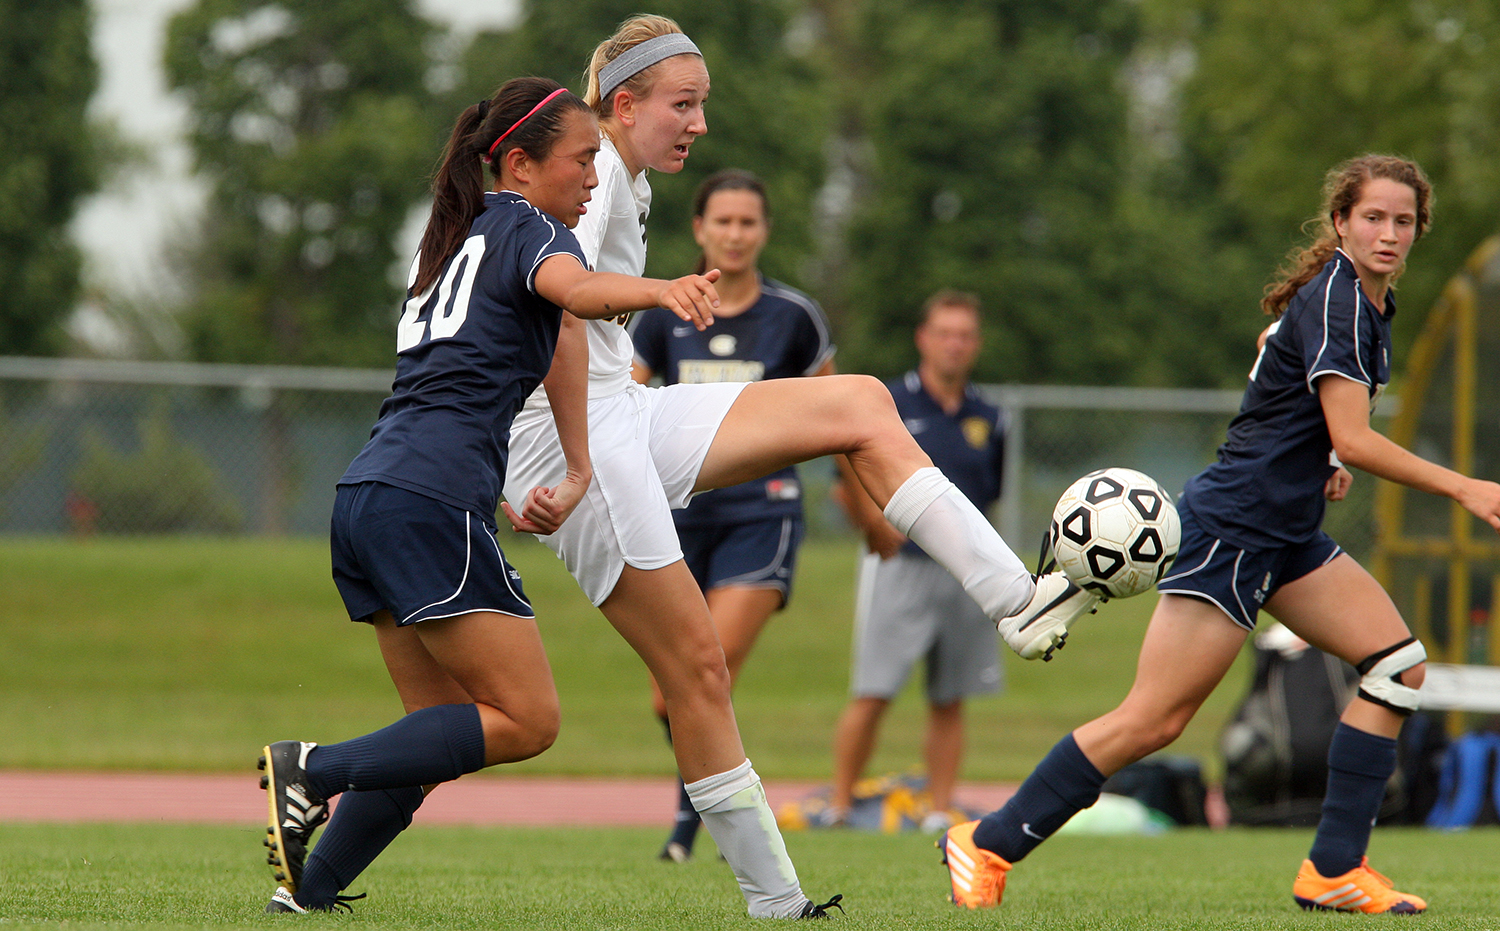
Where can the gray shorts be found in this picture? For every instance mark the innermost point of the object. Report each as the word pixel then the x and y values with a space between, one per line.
pixel 909 608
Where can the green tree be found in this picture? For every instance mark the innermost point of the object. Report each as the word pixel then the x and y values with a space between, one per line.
pixel 313 121
pixel 765 110
pixel 915 145
pixel 46 166
pixel 996 140
pixel 1284 90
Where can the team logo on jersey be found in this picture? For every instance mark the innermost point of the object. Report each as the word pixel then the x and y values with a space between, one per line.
pixel 723 345
pixel 781 489
pixel 712 371
pixel 976 431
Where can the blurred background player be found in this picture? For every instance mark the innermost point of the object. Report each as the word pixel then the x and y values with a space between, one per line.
pixel 741 542
pixel 909 608
pixel 1252 539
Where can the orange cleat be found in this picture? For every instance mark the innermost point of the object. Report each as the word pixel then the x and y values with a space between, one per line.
pixel 1359 890
pixel 976 875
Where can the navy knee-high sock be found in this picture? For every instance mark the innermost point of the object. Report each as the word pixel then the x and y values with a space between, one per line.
pixel 428 746
pixel 685 830
pixel 1359 766
pixel 363 825
pixel 1064 783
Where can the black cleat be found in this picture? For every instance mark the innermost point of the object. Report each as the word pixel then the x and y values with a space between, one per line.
pixel 295 810
pixel 821 911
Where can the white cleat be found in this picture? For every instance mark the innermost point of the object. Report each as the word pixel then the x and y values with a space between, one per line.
pixel 282 903
pixel 1042 626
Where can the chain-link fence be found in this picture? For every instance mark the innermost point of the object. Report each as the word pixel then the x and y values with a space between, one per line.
pixel 119 447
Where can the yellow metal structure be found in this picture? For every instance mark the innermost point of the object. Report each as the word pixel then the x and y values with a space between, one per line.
pixel 1450 412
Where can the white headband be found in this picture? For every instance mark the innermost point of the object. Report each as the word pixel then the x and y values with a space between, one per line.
pixel 638 58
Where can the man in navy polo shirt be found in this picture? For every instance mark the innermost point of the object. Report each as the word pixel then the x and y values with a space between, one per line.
pixel 909 608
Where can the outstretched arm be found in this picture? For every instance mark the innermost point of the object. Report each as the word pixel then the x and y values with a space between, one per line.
pixel 597 295
pixel 1346 408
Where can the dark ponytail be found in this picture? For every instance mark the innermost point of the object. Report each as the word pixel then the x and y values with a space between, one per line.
pixel 729 179
pixel 458 186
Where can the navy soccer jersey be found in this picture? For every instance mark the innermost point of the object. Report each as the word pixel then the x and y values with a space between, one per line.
pixel 967 445
pixel 469 351
pixel 782 335
pixel 1266 490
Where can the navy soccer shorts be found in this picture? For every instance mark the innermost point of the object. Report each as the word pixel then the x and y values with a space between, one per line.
pixel 756 554
pixel 1239 581
pixel 417 557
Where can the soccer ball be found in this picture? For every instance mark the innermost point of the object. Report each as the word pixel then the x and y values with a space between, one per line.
pixel 1114 532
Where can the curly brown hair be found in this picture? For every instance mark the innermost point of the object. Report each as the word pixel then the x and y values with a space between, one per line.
pixel 1342 188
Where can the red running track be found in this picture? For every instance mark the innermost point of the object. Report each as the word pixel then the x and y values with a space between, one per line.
pixel 229 799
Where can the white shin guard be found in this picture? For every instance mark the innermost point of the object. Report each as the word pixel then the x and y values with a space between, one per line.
pixel 734 809
pixel 948 527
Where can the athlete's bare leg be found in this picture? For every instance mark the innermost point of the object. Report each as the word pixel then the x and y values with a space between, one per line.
pixel 776 423
pixel 493 660
pixel 943 750
pixel 662 615
pixel 1340 609
pixel 784 421
pixel 853 745
pixel 1189 646
pixel 739 613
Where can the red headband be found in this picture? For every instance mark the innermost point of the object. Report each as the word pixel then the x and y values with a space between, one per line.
pixel 545 100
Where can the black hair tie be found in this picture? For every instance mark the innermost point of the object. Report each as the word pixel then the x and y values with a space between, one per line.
pixel 484 108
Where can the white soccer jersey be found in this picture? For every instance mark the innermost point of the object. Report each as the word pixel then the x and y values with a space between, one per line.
pixel 613 236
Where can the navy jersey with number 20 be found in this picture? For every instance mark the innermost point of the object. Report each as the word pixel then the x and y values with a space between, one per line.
pixel 1266 490
pixel 469 350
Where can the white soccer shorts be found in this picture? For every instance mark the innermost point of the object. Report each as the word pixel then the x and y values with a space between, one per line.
pixel 647 446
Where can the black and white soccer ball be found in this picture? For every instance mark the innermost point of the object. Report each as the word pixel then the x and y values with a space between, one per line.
pixel 1114 532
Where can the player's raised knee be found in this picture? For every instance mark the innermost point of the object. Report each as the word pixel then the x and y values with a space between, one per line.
pixel 870 393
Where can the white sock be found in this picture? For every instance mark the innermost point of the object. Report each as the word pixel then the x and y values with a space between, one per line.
pixel 949 528
pixel 733 807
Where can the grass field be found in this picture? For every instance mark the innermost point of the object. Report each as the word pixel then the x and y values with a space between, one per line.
pixel 179 877
pixel 189 654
